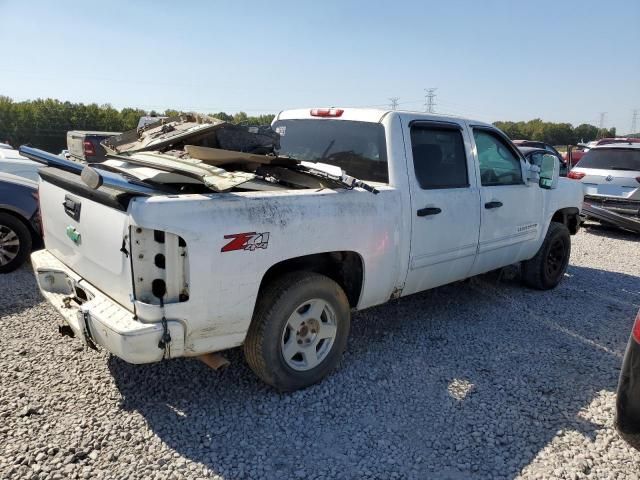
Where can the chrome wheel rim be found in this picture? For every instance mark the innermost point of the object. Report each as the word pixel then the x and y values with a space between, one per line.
pixel 9 245
pixel 308 335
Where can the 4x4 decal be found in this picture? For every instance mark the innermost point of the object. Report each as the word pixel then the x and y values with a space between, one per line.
pixel 246 241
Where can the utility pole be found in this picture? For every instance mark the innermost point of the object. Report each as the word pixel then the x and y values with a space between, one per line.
pixel 394 103
pixel 634 121
pixel 429 99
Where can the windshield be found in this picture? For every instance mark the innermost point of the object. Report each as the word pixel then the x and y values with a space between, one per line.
pixel 611 159
pixel 358 148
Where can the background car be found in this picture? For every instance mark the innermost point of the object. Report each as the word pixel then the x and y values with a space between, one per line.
pixel 610 175
pixel 14 163
pixel 610 141
pixel 628 399
pixel 534 157
pixel 537 144
pixel 84 146
pixel 20 229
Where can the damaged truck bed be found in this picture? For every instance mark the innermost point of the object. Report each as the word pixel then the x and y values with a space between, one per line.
pixel 194 154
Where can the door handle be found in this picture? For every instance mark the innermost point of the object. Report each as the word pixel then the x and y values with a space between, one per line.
pixel 72 207
pixel 493 204
pixel 423 212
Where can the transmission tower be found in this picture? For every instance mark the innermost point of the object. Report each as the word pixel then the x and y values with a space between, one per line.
pixel 634 121
pixel 601 122
pixel 429 99
pixel 394 103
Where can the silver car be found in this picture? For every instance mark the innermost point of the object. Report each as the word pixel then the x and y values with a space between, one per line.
pixel 610 175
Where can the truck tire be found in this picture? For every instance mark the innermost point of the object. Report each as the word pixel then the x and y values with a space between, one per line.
pixel 15 242
pixel 299 330
pixel 546 269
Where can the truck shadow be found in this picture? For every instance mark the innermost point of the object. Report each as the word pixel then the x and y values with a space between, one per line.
pixel 610 231
pixel 465 381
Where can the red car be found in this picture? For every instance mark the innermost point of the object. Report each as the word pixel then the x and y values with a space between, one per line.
pixel 608 141
pixel 628 398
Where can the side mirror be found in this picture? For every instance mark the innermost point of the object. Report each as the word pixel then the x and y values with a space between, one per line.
pixel 549 172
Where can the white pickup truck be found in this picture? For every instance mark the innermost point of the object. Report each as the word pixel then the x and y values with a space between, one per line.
pixel 160 252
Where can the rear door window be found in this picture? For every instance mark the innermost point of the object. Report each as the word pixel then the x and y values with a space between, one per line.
pixel 439 158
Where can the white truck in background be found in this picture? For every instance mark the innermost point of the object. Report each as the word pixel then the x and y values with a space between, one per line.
pixel 179 246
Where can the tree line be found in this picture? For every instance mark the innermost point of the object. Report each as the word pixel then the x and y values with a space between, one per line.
pixel 554 133
pixel 43 123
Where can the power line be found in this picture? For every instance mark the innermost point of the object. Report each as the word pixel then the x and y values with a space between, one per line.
pixel 429 99
pixel 634 121
pixel 394 103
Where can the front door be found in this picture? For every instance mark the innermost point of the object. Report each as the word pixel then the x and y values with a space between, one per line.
pixel 445 204
pixel 511 218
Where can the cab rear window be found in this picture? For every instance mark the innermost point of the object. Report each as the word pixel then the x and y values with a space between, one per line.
pixel 612 159
pixel 358 148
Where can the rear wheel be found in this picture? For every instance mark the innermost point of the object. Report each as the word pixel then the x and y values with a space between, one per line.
pixel 15 242
pixel 299 330
pixel 546 269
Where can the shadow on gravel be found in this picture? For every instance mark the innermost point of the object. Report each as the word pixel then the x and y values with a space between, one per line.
pixel 18 291
pixel 610 231
pixel 466 381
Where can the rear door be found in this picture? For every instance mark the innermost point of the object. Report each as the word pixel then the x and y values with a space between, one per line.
pixel 445 204
pixel 511 209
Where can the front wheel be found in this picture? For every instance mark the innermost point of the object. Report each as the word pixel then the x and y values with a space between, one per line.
pixel 546 269
pixel 299 330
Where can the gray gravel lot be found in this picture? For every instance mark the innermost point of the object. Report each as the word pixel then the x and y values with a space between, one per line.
pixel 475 380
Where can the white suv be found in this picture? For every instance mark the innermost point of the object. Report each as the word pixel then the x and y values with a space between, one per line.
pixel 610 175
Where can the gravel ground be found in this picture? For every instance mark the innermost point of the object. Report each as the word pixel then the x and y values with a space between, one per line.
pixel 482 379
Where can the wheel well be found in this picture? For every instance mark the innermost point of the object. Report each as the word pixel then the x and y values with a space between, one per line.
pixel 345 268
pixel 36 240
pixel 569 217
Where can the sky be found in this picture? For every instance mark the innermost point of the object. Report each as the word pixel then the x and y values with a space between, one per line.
pixel 560 60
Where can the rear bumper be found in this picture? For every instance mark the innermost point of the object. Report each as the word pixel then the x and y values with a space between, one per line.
pixel 97 320
pixel 628 397
pixel 606 215
pixel 629 208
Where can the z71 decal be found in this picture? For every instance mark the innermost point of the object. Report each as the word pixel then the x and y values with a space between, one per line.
pixel 246 241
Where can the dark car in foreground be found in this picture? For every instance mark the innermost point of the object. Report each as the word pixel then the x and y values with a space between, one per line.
pixel 628 399
pixel 20 228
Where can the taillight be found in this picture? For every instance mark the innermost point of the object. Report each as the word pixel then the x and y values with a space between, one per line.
pixel 326 112
pixel 89 149
pixel 636 328
pixel 575 175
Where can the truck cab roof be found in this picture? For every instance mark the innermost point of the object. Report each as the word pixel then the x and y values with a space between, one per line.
pixel 374 115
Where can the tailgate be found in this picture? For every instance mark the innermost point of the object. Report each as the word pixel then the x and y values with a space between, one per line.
pixel 88 237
